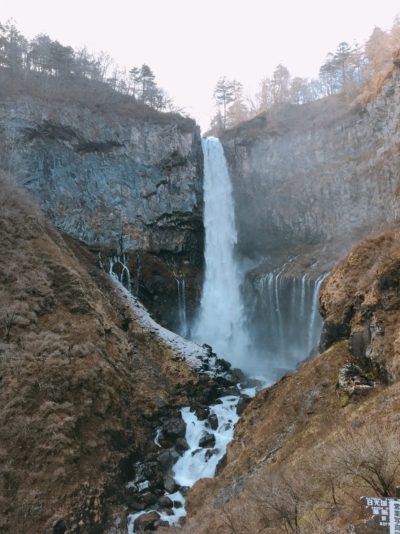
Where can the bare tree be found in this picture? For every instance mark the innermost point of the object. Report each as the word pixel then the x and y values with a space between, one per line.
pixel 9 314
pixel 370 459
pixel 280 501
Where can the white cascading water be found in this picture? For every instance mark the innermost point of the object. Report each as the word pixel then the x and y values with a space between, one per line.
pixel 221 320
pixel 314 310
pixel 286 319
pixel 124 275
pixel 197 462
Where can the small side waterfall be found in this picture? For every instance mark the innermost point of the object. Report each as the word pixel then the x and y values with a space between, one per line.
pixel 118 269
pixel 315 320
pixel 221 320
pixel 285 316
pixel 183 322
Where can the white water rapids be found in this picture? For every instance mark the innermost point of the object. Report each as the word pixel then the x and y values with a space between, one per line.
pixel 221 320
pixel 198 462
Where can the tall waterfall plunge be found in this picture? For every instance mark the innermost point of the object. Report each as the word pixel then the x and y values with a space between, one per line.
pixel 221 320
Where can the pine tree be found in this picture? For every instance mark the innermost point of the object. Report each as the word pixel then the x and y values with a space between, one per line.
pixel 224 94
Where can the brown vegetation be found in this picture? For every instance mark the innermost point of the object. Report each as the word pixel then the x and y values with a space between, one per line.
pixel 361 302
pixel 301 461
pixel 91 94
pixel 356 74
pixel 79 379
pixel 306 449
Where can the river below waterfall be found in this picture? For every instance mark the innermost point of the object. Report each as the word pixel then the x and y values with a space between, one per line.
pixel 198 461
pixel 285 311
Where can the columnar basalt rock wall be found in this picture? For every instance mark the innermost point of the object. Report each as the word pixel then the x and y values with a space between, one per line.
pixel 115 181
pixel 323 171
pixel 102 177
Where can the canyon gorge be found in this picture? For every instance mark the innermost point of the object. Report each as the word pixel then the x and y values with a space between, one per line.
pixel 199 334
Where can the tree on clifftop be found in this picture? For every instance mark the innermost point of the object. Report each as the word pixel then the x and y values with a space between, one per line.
pixel 224 94
pixel 379 51
pixel 13 46
pixel 144 88
pixel 237 111
pixel 281 85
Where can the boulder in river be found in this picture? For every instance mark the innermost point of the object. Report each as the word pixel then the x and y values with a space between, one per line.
pixel 213 421
pixel 170 485
pixel 165 502
pixel 167 459
pixel 146 522
pixel 149 498
pixel 201 411
pixel 211 452
pixel 207 440
pixel 174 428
pixel 181 445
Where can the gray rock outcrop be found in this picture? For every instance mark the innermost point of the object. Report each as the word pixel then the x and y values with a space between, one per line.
pixel 101 177
pixel 322 171
pixel 116 179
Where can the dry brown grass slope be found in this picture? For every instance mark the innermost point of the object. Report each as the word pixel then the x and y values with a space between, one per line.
pixel 78 378
pixel 306 449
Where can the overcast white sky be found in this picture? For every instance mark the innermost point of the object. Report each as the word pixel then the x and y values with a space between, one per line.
pixel 189 44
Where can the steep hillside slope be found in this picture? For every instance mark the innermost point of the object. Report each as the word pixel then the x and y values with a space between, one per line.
pixel 306 449
pixel 81 381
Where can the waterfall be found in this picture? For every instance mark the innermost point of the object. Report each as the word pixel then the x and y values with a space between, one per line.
pixel 118 269
pixel 285 316
pixel 314 310
pixel 183 324
pixel 221 320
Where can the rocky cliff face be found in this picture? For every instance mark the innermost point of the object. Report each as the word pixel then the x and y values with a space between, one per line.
pixel 102 177
pixel 360 303
pixel 112 180
pixel 318 172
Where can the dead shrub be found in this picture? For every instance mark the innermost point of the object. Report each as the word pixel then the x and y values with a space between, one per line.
pixel 370 459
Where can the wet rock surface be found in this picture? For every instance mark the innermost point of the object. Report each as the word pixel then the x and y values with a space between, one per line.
pixel 207 440
pixel 147 522
pixel 213 420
